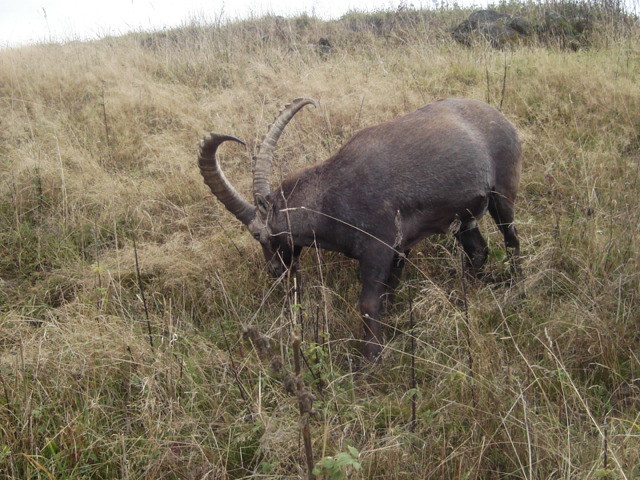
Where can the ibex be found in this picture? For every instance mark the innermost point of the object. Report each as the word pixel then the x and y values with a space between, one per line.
pixel 436 170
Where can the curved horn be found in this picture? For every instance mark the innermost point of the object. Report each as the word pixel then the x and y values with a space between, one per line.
pixel 218 183
pixel 262 161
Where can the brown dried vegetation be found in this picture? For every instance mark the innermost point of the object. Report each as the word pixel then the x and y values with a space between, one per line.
pixel 98 146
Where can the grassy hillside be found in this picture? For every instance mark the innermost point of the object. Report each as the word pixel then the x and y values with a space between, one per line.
pixel 125 287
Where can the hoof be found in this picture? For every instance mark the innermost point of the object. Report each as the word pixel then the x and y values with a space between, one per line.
pixel 372 352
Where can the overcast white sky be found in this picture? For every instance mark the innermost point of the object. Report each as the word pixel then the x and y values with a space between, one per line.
pixel 28 21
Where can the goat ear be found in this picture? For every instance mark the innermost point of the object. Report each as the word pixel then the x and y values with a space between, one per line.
pixel 262 204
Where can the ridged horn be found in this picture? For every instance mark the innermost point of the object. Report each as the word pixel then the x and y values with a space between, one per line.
pixel 215 179
pixel 262 161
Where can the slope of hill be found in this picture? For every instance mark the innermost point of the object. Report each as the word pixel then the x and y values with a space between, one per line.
pixel 125 288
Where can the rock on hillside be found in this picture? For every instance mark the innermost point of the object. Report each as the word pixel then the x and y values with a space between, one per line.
pixel 500 29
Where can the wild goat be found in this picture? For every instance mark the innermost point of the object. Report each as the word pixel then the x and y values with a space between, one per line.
pixel 436 170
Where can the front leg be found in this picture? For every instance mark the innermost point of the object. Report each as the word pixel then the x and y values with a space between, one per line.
pixel 399 260
pixel 374 274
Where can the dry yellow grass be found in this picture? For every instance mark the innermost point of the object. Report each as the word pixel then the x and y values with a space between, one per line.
pixel 97 147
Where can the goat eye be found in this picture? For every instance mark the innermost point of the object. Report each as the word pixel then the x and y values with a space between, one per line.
pixel 256 236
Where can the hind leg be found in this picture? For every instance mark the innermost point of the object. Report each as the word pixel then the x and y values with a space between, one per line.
pixel 474 246
pixel 501 209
